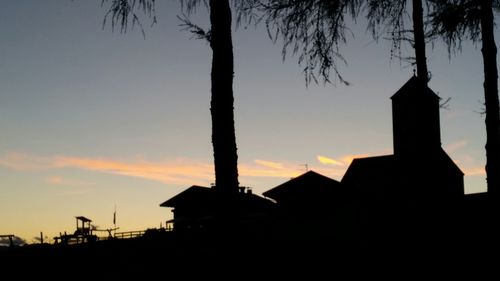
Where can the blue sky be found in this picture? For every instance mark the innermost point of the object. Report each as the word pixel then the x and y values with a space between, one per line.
pixel 91 118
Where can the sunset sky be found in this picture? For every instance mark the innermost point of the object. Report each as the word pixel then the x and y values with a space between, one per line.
pixel 91 118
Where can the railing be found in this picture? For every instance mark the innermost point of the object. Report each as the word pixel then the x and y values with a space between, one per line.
pixel 129 234
pixel 70 239
pixel 78 239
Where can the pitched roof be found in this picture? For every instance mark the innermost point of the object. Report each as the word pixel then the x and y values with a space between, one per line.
pixel 382 173
pixel 413 88
pixel 307 184
pixel 369 171
pixel 198 195
pixel 84 219
pixel 193 194
pixel 446 159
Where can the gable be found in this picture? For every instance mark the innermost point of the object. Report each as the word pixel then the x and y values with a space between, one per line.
pixel 307 185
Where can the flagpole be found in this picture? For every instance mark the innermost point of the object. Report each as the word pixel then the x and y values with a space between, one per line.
pixel 114 218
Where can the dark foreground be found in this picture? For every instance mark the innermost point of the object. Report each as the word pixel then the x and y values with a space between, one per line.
pixel 464 245
pixel 171 256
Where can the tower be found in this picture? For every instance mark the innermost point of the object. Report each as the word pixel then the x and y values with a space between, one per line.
pixel 415 119
pixel 424 168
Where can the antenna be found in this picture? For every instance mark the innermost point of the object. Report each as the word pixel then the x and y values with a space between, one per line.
pixel 306 166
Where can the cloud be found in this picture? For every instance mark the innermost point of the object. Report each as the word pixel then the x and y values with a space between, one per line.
pixel 24 162
pixel 342 161
pixel 178 171
pixel 275 171
pixel 269 164
pixel 475 171
pixel 329 161
pixel 452 147
pixel 57 180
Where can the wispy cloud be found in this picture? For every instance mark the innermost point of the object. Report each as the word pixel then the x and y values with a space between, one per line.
pixel 181 171
pixel 58 180
pixel 269 164
pixel 329 161
pixel 343 161
pixel 24 162
pixel 335 167
pixel 475 171
pixel 170 171
pixel 452 147
pixel 177 171
pixel 270 169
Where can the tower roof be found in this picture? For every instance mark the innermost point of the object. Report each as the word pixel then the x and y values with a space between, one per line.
pixel 414 88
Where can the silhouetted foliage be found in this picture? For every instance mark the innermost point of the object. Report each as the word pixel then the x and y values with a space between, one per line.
pixel 389 16
pixel 313 29
pixel 121 12
pixel 393 16
pixel 458 20
pixel 317 29
pixel 454 22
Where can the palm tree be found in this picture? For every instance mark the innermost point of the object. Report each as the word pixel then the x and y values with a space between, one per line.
pixel 455 21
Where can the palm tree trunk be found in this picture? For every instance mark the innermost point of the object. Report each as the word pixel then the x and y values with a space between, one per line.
pixel 490 85
pixel 419 44
pixel 222 103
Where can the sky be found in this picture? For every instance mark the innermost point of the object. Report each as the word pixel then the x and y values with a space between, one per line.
pixel 92 120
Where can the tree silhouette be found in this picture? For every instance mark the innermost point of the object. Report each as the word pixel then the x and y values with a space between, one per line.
pixel 316 29
pixel 392 15
pixel 313 28
pixel 455 21
pixel 121 12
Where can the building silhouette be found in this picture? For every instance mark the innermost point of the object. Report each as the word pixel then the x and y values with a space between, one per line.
pixel 202 209
pixel 310 206
pixel 419 171
pixel 392 197
pixel 416 192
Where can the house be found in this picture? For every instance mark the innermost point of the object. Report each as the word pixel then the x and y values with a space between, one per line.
pixel 419 169
pixel 419 181
pixel 312 205
pixel 201 208
pixel 378 196
pixel 309 192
